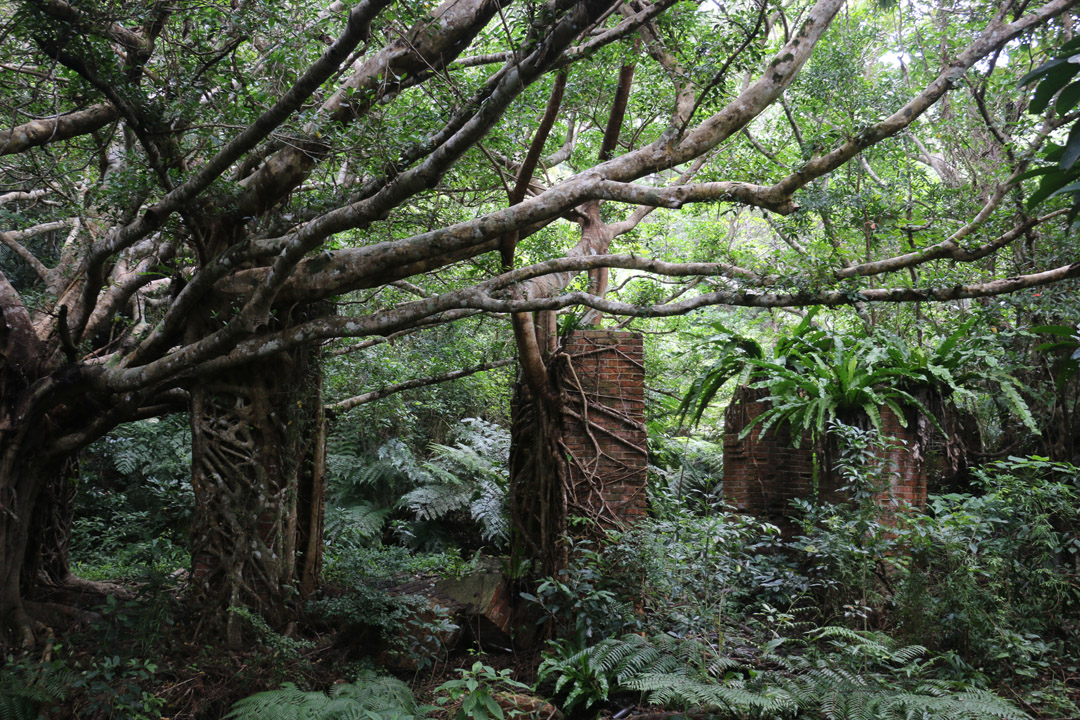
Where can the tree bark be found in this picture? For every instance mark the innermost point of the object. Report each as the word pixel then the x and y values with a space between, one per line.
pixel 539 480
pixel 49 544
pixel 257 472
pixel 22 476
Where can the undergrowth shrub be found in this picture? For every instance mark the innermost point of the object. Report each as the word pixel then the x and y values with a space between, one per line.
pixel 27 688
pixel 585 601
pixel 849 549
pixel 996 577
pixel 363 577
pixel 833 673
pixel 133 504
pixel 474 692
pixel 688 573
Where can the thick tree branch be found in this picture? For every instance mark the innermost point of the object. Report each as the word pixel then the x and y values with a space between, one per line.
pixel 342 406
pixel 257 307
pixel 20 196
pixel 61 127
pixel 79 19
pixel 13 241
pixel 427 47
pixel 480 298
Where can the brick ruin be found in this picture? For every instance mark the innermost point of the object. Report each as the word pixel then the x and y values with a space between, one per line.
pixel 764 472
pixel 610 459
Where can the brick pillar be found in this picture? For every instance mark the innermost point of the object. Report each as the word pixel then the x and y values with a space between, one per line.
pixel 764 472
pixel 609 459
pixel 905 459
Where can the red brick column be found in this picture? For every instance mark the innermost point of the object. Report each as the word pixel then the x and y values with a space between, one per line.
pixel 764 472
pixel 904 459
pixel 609 458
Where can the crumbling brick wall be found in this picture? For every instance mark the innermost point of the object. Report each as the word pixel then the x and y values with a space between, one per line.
pixel 609 458
pixel 764 472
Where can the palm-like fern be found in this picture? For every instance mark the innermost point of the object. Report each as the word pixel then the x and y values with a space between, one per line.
pixel 733 352
pixel 825 385
pixel 815 377
pixel 369 698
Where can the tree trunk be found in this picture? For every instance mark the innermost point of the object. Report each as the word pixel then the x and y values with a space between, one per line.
pixel 22 478
pixel 257 472
pixel 49 543
pixel 539 480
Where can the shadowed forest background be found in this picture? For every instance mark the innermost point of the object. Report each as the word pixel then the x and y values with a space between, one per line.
pixel 296 417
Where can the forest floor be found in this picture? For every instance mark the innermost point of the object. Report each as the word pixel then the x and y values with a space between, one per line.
pixel 127 647
pixel 133 654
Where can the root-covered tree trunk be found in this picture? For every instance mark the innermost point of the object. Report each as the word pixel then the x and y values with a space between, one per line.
pixel 539 479
pixel 49 545
pixel 22 478
pixel 578 446
pixel 257 472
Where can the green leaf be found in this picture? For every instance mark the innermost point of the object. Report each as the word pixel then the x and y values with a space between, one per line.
pixel 1041 70
pixel 1056 77
pixel 1064 330
pixel 1051 182
pixel 1072 187
pixel 1072 148
pixel 1068 98
pixel 493 707
pixel 1037 172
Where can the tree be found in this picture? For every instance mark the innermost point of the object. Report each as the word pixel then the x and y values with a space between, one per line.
pixel 184 184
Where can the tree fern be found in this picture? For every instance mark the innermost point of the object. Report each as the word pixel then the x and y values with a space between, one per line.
pixel 471 474
pixel 439 497
pixel 690 468
pixel 489 509
pixel 364 521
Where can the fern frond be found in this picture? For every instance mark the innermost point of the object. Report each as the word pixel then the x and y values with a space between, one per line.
pixel 365 520
pixel 25 691
pixel 489 509
pixel 369 698
pixel 436 500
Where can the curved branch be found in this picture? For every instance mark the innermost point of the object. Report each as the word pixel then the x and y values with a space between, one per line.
pixel 477 298
pixel 948 248
pixel 53 129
